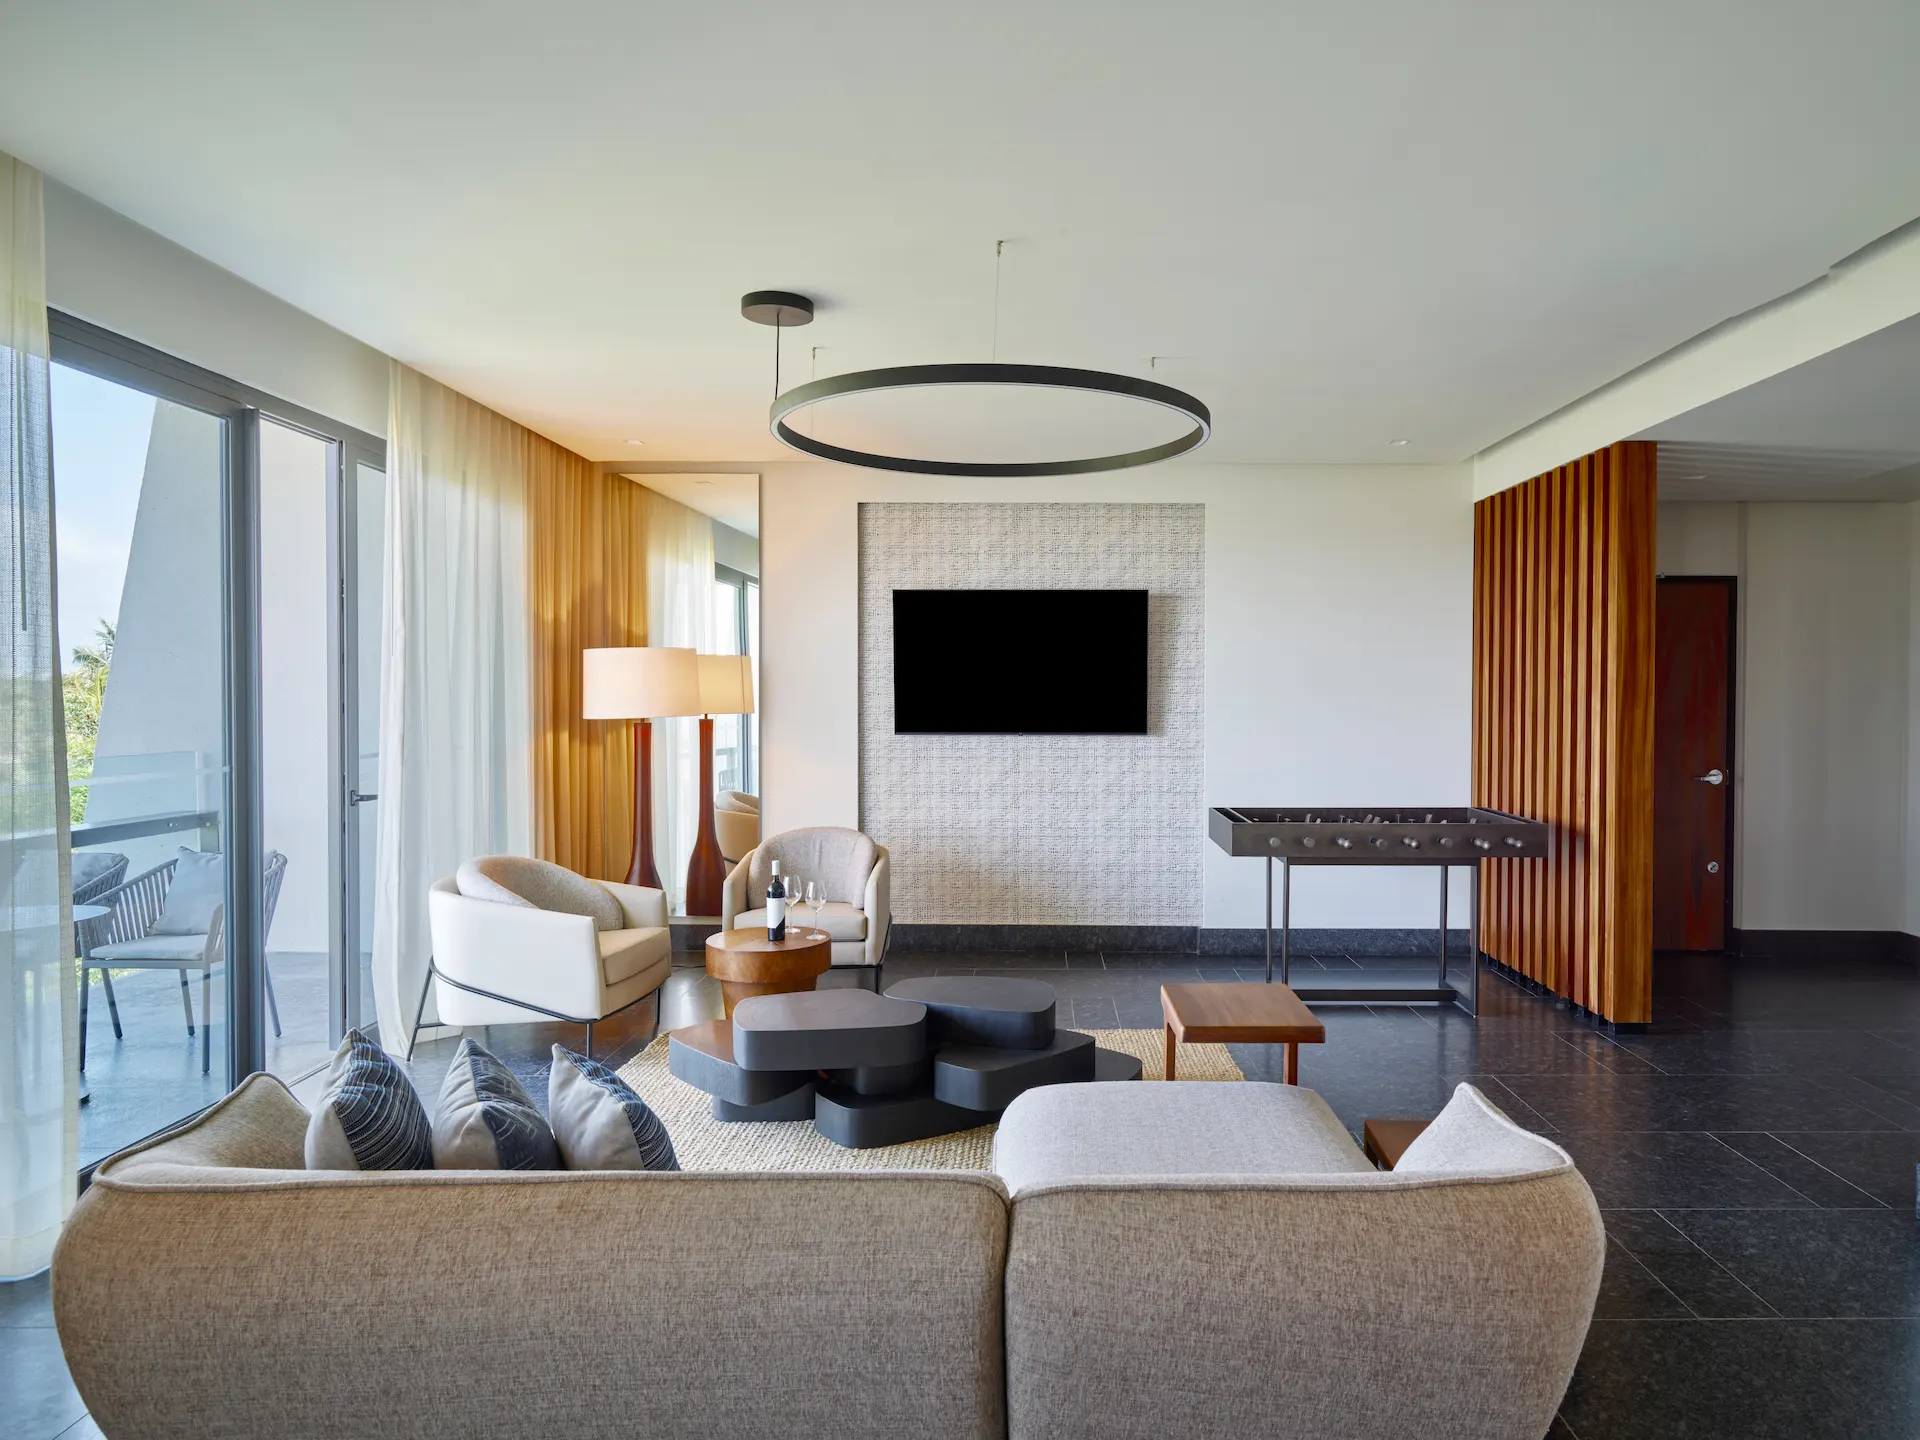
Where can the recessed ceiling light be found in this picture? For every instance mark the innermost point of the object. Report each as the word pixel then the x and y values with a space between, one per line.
pixel 1399 442
pixel 1689 477
pixel 703 482
pixel 636 442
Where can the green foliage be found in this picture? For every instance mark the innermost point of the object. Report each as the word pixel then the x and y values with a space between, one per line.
pixel 84 689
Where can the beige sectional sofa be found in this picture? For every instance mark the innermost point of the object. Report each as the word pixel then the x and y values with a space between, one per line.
pixel 207 1286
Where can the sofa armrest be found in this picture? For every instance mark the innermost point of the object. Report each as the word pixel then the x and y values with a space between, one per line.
pixel 645 908
pixel 878 918
pixel 733 895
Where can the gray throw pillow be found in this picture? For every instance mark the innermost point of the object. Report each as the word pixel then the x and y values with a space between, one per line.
pixel 198 888
pixel 368 1117
pixel 599 1123
pixel 539 885
pixel 486 1120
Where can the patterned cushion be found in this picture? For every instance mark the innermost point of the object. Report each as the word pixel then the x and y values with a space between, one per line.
pixel 486 1120
pixel 599 1123
pixel 368 1117
pixel 539 885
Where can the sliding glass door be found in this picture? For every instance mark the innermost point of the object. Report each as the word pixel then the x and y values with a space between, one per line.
pixel 139 486
pixel 218 566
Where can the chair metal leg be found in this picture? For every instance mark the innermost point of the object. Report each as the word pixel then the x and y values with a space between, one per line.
pixel 589 1039
pixel 113 1005
pixel 206 1021
pixel 83 1015
pixel 419 1010
pixel 186 1001
pixel 273 1006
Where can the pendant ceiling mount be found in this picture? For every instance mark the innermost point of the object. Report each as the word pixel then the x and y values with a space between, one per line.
pixel 777 307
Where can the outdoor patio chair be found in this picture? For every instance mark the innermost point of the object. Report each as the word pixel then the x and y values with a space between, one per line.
pixel 130 945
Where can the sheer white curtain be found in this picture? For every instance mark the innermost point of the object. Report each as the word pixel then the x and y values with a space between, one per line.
pixel 456 720
pixel 39 1082
pixel 679 612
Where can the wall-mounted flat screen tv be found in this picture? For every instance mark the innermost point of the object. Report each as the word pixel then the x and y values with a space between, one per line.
pixel 1020 662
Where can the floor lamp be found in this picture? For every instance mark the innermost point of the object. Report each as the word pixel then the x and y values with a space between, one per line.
pixel 726 688
pixel 641 683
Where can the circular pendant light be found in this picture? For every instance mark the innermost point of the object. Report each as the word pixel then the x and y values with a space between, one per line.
pixel 783 310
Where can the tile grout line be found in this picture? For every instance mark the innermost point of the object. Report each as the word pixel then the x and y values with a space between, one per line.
pixel 1694 1246
pixel 1875 1199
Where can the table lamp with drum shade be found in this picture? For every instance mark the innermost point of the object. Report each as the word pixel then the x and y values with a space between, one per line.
pixel 726 688
pixel 641 683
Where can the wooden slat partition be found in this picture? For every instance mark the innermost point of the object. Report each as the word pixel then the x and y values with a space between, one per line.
pixel 1563 596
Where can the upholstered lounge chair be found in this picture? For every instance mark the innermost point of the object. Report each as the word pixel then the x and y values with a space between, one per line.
pixel 516 941
pixel 850 868
pixel 736 823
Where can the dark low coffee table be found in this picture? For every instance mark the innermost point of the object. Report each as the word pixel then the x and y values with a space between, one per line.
pixel 1239 1014
pixel 927 1058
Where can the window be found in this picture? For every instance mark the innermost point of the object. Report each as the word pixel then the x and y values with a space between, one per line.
pixel 736 629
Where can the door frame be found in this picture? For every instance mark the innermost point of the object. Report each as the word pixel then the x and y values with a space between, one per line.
pixel 1732 583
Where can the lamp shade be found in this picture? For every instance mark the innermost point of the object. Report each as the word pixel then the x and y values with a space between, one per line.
pixel 639 682
pixel 726 685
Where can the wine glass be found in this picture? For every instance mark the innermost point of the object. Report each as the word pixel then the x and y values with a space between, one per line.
pixel 816 898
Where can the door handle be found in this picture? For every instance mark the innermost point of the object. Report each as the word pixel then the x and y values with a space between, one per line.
pixel 1712 777
pixel 354 797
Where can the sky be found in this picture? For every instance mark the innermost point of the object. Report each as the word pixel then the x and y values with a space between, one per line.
pixel 100 433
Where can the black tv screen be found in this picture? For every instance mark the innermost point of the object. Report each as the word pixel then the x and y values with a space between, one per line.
pixel 1020 662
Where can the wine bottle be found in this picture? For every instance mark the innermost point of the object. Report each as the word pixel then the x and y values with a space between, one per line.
pixel 776 906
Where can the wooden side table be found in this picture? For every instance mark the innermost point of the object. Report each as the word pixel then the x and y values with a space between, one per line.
pixel 1244 1014
pixel 1387 1140
pixel 746 963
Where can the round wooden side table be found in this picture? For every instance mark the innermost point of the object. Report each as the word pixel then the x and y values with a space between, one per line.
pixel 746 963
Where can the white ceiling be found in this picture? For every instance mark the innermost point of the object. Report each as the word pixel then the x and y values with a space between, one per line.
pixel 1843 427
pixel 1340 224
pixel 731 499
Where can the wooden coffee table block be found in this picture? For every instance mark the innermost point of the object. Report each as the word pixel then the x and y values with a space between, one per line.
pixel 1387 1140
pixel 702 1055
pixel 828 1029
pixel 746 963
pixel 977 1078
pixel 1008 1014
pixel 1247 1014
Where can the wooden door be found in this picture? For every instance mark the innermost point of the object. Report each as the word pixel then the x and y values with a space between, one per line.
pixel 1693 763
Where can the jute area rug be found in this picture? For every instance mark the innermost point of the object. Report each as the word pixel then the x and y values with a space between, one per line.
pixel 703 1143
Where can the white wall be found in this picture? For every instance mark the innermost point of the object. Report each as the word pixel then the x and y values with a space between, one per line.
pixel 1338 667
pixel 731 547
pixel 103 268
pixel 295 752
pixel 1826 732
pixel 1699 539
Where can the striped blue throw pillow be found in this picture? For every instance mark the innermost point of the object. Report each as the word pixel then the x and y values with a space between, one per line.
pixel 368 1117
pixel 599 1123
pixel 486 1120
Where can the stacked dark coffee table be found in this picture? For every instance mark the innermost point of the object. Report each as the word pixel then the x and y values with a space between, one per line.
pixel 929 1057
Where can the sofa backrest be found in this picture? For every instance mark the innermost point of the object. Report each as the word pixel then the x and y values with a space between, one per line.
pixel 1351 1305
pixel 203 1283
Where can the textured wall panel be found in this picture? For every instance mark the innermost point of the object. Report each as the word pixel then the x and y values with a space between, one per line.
pixel 1040 829
pixel 1563 598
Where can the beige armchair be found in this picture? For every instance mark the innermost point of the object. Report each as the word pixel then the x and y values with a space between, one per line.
pixel 736 823
pixel 848 866
pixel 518 940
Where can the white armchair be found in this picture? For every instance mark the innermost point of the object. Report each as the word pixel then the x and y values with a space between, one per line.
pixel 849 867
pixel 517 940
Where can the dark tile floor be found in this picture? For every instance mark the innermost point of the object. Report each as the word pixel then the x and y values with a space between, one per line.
pixel 1754 1154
